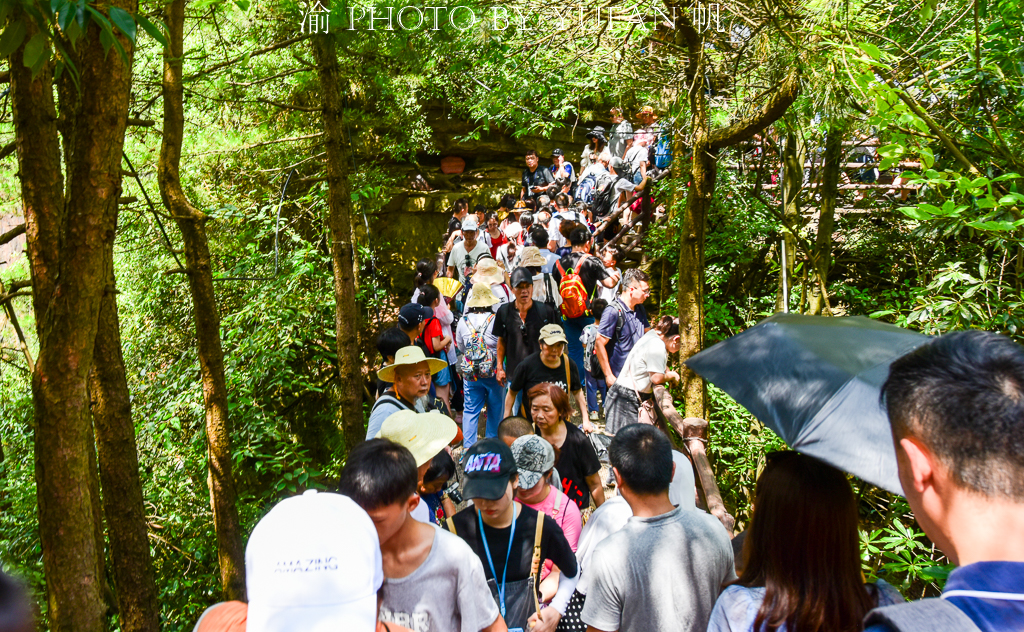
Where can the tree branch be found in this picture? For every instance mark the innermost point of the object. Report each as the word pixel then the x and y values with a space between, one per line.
pixel 11 234
pixel 776 106
pixel 261 51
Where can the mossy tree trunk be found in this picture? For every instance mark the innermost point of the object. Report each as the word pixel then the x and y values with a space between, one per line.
pixel 339 223
pixel 192 223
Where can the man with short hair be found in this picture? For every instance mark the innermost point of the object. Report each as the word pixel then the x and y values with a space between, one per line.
pixel 592 272
pixel 410 376
pixel 459 211
pixel 956 406
pixel 462 260
pixel 517 325
pixel 664 570
pixel 432 579
pixel 536 179
pixel 548 365
pixel 620 327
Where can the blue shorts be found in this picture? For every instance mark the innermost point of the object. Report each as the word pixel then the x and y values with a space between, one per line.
pixel 443 377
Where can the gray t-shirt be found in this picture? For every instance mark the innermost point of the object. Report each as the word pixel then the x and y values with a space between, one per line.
pixel 447 593
pixel 659 574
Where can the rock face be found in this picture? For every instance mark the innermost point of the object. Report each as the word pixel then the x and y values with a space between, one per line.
pixel 411 223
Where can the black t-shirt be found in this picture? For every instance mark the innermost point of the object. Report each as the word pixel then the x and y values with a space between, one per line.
pixel 592 270
pixel 575 461
pixel 533 371
pixel 541 176
pixel 520 340
pixel 553 545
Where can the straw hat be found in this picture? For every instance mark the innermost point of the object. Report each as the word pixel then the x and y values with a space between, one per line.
pixel 424 434
pixel 488 272
pixel 409 356
pixel 481 296
pixel 531 257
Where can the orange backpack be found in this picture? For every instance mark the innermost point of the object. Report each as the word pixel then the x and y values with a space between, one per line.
pixel 574 294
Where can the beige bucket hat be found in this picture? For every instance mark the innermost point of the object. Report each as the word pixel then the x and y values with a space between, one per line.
pixel 481 296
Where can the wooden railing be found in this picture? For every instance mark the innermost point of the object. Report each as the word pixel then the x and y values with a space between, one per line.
pixel 694 433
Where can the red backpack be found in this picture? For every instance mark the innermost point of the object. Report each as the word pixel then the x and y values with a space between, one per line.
pixel 575 302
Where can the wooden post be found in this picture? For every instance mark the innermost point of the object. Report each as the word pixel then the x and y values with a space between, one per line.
pixel 694 432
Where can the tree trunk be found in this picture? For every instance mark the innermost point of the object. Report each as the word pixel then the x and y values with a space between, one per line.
pixel 703 172
pixel 119 471
pixel 66 247
pixel 822 256
pixel 192 223
pixel 793 158
pixel 339 221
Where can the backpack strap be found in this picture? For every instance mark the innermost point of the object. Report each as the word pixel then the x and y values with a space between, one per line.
pixel 389 399
pixel 926 615
pixel 568 380
pixel 535 562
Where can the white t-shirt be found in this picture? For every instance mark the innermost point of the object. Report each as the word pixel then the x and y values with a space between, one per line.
pixel 555 234
pixel 421 513
pixel 609 293
pixel 647 356
pixel 448 592
pixel 636 156
pixel 622 185
pixel 457 257
pixel 504 295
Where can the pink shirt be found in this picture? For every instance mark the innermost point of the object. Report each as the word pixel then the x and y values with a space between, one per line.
pixel 566 514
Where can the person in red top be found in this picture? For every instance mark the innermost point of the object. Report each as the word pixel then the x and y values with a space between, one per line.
pixel 495 238
pixel 437 342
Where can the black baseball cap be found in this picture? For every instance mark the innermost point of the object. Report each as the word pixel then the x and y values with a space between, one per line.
pixel 489 465
pixel 557 152
pixel 413 314
pixel 521 276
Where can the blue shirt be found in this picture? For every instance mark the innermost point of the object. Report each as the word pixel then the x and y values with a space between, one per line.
pixel 991 615
pixel 632 331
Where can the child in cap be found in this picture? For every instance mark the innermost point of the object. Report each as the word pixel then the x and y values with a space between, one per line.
pixel 503 532
pixel 433 581
pixel 535 460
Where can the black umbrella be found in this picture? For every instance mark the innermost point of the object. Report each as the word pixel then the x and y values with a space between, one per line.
pixel 816 382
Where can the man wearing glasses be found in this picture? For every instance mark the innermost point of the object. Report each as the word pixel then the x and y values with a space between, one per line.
pixel 620 327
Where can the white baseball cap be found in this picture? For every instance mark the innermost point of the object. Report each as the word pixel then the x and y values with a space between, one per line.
pixel 470 223
pixel 313 564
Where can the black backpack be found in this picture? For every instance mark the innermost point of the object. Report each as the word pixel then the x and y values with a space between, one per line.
pixel 604 199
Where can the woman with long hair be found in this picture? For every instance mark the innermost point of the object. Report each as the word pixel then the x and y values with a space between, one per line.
pixel 575 458
pixel 802 570
pixel 645 367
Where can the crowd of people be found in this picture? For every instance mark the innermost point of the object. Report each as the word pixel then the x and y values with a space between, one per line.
pixel 524 554
pixel 498 517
